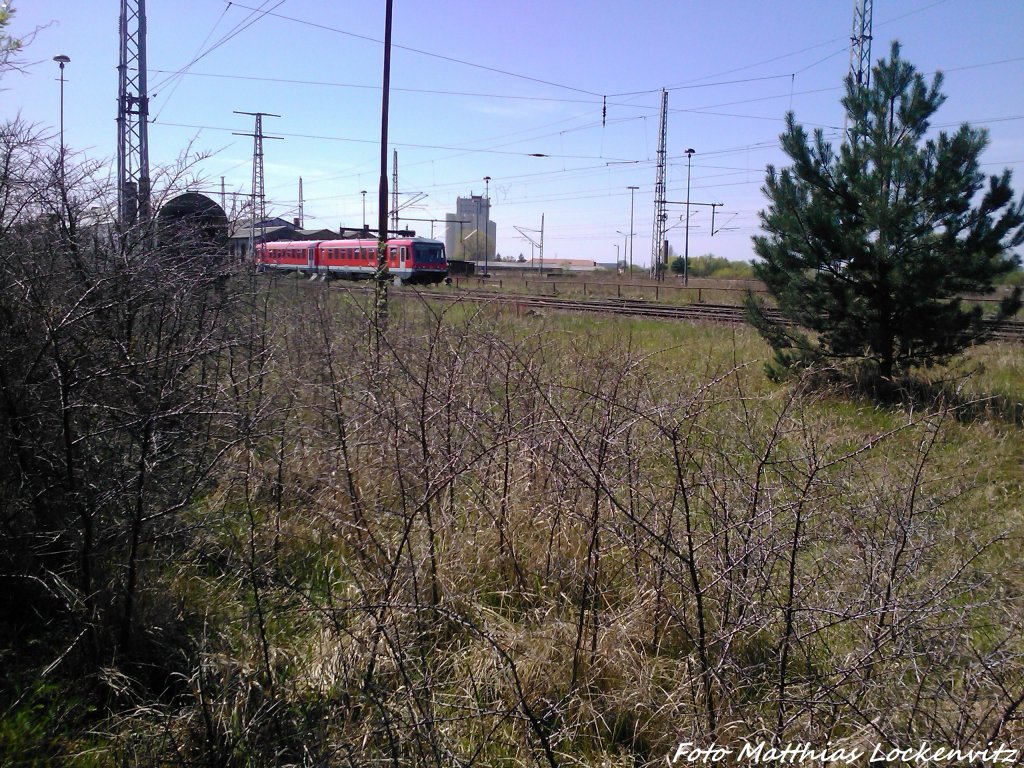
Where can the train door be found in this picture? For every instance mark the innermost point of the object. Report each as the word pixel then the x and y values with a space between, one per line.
pixel 401 257
pixel 311 256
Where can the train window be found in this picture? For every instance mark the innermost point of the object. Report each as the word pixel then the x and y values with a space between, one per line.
pixel 429 253
pixel 403 252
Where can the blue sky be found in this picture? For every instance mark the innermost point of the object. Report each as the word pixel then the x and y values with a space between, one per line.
pixel 479 87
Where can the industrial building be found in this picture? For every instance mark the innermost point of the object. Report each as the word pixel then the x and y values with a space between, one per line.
pixel 470 235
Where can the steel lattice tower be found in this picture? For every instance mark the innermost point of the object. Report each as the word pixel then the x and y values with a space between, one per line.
pixel 259 200
pixel 132 116
pixel 394 191
pixel 860 43
pixel 660 217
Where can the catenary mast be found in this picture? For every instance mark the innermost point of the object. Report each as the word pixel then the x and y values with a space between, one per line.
pixel 860 43
pixel 658 235
pixel 132 117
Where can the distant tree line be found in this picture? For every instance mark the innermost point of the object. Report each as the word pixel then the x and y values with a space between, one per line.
pixel 712 266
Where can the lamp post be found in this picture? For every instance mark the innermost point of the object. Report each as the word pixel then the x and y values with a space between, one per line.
pixel 631 191
pixel 487 226
pixel 686 246
pixel 363 193
pixel 62 60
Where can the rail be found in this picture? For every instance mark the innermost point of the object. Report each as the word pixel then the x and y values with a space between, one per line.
pixel 721 314
pixel 700 290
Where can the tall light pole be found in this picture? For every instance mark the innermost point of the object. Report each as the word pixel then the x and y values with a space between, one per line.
pixel 487 226
pixel 62 60
pixel 631 191
pixel 686 247
pixel 363 193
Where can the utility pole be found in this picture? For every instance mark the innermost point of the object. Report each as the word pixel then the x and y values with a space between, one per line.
pixel 259 202
pixel 686 250
pixel 632 190
pixel 542 243
pixel 658 235
pixel 381 277
pixel 132 117
pixel 487 227
pixel 302 213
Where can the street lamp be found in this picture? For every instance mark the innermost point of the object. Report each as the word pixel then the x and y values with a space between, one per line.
pixel 686 247
pixel 631 191
pixel 363 193
pixel 62 60
pixel 487 226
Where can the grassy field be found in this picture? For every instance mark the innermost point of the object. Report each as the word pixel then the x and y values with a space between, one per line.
pixel 561 540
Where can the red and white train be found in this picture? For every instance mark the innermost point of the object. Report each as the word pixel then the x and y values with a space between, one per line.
pixel 410 259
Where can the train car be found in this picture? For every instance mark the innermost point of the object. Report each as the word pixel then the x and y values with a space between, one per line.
pixel 414 260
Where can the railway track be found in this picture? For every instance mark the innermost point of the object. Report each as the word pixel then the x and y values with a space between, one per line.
pixel 720 314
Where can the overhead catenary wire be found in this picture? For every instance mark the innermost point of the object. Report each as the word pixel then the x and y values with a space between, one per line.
pixel 396 144
pixel 255 16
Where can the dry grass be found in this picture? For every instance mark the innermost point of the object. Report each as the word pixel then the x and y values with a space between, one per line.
pixel 562 541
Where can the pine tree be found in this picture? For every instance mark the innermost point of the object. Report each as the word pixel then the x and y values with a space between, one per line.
pixel 871 248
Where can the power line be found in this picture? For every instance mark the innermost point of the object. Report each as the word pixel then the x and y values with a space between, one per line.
pixel 195 58
pixel 428 53
pixel 238 28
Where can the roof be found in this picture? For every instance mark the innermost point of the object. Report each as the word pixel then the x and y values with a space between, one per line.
pixel 316 234
pixel 241 232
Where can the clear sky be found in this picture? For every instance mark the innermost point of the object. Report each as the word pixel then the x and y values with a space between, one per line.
pixel 480 87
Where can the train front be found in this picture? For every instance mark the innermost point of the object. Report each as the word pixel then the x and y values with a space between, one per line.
pixel 429 262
